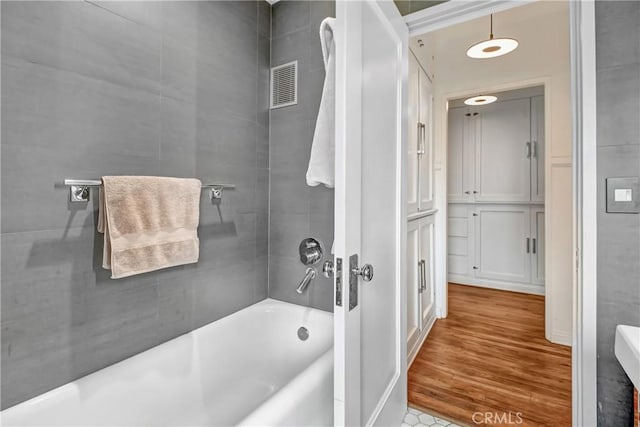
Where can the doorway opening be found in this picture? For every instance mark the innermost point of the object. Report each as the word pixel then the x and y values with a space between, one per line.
pixel 501 271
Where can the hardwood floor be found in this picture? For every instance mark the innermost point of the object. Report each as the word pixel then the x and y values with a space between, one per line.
pixel 490 356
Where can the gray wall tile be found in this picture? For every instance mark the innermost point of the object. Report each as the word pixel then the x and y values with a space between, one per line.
pixel 618 95
pixel 297 210
pixel 289 16
pixel 142 88
pixel 618 62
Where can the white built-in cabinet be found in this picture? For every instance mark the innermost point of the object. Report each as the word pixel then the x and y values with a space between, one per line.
pixel 420 282
pixel 495 245
pixel 496 152
pixel 495 193
pixel 420 227
pixel 420 146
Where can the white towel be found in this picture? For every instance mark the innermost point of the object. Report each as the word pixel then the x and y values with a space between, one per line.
pixel 322 160
pixel 148 223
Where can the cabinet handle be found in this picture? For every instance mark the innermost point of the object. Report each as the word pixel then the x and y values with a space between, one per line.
pixel 475 192
pixel 528 150
pixel 475 268
pixel 534 149
pixel 533 247
pixel 467 192
pixel 528 244
pixel 424 138
pixel 421 133
pixel 424 275
pixel 421 275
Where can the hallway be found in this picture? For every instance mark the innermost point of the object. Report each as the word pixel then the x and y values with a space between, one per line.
pixel 488 363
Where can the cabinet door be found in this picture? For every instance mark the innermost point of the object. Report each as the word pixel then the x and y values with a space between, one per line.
pixel 425 159
pixel 537 148
pixel 414 135
pixel 413 283
pixel 459 144
pixel 537 245
pixel 502 243
pixel 427 259
pixel 503 152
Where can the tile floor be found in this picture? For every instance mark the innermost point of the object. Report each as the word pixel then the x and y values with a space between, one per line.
pixel 416 418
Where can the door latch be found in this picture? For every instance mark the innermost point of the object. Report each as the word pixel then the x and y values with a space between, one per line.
pixel 366 272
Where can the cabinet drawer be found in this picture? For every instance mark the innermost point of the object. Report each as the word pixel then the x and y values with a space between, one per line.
pixel 458 246
pixel 458 264
pixel 458 227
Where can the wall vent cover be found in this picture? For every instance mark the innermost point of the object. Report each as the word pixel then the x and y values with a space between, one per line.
pixel 284 85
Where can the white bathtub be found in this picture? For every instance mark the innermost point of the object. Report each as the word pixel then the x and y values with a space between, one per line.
pixel 249 368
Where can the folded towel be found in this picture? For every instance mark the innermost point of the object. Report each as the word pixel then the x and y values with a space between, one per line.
pixel 322 160
pixel 149 223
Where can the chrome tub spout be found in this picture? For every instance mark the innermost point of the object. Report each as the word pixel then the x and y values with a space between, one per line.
pixel 309 275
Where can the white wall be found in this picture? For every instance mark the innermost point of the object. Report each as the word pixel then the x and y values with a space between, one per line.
pixel 542 28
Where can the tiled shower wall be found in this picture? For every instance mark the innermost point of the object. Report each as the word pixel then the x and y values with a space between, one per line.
pixel 143 88
pixel 297 210
pixel 618 80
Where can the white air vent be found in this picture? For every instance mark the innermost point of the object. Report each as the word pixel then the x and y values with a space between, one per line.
pixel 284 85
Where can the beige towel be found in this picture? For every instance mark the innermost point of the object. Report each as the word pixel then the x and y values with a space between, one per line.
pixel 148 223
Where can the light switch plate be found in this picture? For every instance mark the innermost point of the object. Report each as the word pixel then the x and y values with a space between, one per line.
pixel 622 195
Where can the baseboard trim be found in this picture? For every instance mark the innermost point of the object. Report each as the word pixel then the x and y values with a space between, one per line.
pixel 526 288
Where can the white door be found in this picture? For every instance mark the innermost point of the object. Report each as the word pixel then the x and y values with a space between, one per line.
pixel 426 259
pixel 414 131
pixel 503 152
pixel 426 156
pixel 537 245
pixel 414 282
pixel 456 163
pixel 537 148
pixel 370 213
pixel 503 243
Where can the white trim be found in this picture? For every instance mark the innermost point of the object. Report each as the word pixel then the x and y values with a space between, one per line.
pixel 455 12
pixel 421 214
pixel 583 97
pixel 525 288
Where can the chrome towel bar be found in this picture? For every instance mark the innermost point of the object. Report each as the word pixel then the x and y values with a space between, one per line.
pixel 79 189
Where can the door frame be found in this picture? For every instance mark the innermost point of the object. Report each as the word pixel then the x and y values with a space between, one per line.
pixel 583 102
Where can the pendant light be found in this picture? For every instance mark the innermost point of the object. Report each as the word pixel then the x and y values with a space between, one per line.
pixel 480 100
pixel 493 47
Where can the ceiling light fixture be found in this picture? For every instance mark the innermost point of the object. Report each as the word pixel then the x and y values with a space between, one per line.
pixel 493 47
pixel 480 100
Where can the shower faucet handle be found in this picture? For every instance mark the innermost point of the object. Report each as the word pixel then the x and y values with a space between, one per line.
pixel 310 251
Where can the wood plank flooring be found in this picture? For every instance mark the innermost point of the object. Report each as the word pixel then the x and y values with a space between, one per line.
pixel 490 356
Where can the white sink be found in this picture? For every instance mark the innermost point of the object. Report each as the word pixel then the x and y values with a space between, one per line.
pixel 627 350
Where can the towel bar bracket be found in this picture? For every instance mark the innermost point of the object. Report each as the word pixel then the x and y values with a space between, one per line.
pixel 216 193
pixel 79 193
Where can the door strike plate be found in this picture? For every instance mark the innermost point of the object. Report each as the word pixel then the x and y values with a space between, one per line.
pixel 353 282
pixel 338 274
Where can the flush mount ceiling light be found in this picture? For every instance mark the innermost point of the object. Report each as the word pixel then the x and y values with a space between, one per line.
pixel 481 100
pixel 493 47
